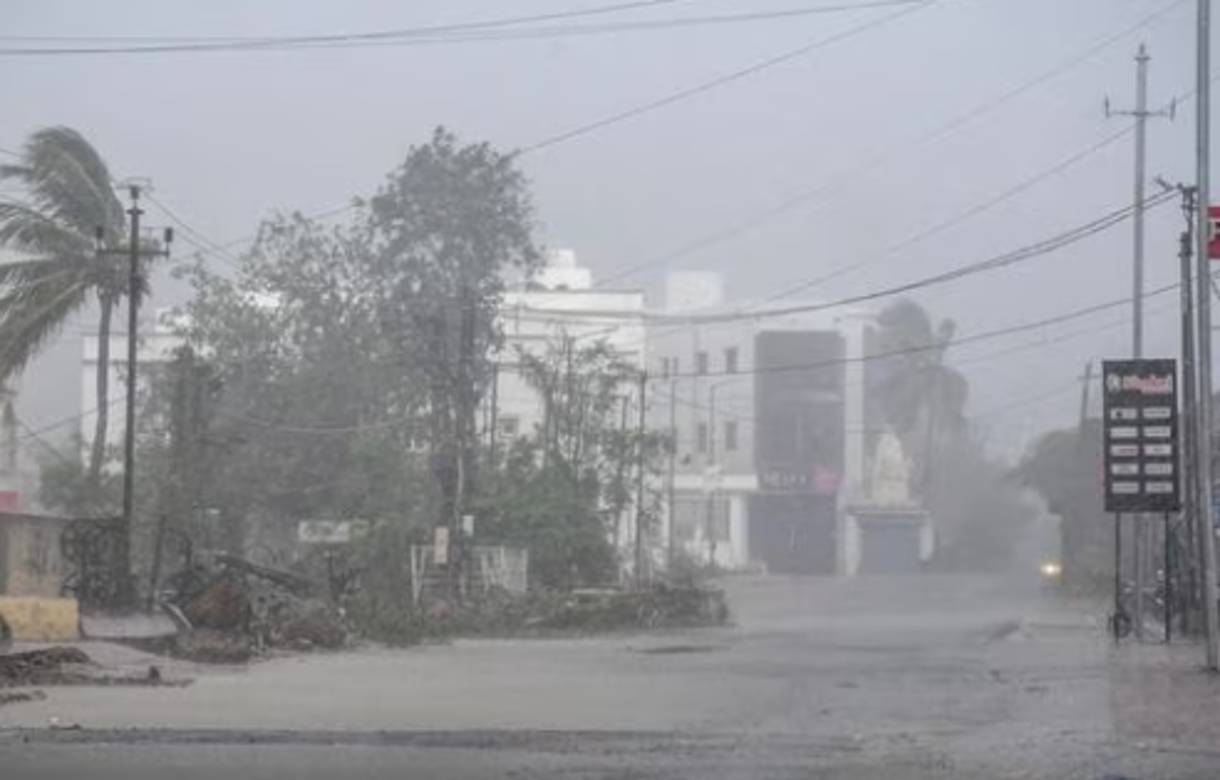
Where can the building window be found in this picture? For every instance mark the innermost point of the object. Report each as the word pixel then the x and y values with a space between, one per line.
pixel 730 360
pixel 700 363
pixel 701 436
pixel 665 367
pixel 730 436
pixel 508 426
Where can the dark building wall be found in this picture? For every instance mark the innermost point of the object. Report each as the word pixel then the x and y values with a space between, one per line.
pixel 799 443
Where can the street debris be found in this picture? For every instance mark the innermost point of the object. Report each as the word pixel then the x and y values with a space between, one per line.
pixel 547 613
pixel 68 666
pixel 17 697
pixel 246 608
pixel 660 606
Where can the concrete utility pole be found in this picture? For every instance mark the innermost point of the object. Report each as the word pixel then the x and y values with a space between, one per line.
pixel 125 587
pixel 671 481
pixel 639 485
pixel 1141 115
pixel 1203 420
pixel 710 525
pixel 129 436
pixel 1191 515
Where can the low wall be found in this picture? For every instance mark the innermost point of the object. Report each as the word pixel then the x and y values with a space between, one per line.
pixel 41 619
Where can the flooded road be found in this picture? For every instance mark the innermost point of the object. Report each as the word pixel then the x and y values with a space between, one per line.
pixel 885 677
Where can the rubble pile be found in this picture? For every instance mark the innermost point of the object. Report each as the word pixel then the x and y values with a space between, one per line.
pixel 246 608
pixel 541 613
pixel 65 666
pixel 52 666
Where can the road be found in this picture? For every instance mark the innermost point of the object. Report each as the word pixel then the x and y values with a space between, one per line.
pixel 917 677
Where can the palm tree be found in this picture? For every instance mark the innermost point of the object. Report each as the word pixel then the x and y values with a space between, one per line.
pixel 921 396
pixel 57 268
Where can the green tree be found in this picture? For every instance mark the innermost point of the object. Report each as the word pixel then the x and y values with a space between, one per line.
pixel 449 229
pixel 562 490
pixel 315 412
pixel 58 270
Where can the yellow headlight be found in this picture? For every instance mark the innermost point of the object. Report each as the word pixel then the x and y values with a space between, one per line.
pixel 1051 569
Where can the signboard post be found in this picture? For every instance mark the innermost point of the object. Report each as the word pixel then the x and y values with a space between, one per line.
pixel 1140 440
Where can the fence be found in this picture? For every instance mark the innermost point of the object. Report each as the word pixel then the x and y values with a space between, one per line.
pixel 488 567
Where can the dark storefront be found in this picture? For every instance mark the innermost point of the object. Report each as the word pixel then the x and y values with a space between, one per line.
pixel 798 450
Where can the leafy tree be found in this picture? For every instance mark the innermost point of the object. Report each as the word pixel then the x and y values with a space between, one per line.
pixel 977 509
pixel 448 229
pixel 1065 467
pixel 563 490
pixel 316 412
pixel 920 395
pixel 58 269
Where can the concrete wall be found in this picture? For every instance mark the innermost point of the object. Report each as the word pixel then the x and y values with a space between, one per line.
pixel 30 560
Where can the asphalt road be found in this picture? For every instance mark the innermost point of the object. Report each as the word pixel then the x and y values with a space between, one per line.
pixel 918 677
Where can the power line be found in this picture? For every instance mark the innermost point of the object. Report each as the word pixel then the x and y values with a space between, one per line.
pixel 1022 254
pixel 910 6
pixel 845 179
pixel 720 81
pixel 488 31
pixel 957 341
pixel 1068 316
pixel 269 42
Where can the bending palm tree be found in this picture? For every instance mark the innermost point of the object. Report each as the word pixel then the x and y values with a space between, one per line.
pixel 57 268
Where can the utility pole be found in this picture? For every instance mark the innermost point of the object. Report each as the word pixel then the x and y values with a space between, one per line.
pixel 1141 115
pixel 1203 420
pixel 671 483
pixel 1191 514
pixel 1087 380
pixel 620 479
pixel 125 586
pixel 639 486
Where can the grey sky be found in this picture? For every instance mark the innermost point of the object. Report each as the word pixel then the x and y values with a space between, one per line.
pixel 229 136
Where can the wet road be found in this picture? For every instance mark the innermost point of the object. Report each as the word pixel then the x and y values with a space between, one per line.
pixel 903 678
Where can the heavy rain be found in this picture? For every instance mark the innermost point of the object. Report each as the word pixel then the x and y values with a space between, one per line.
pixel 578 389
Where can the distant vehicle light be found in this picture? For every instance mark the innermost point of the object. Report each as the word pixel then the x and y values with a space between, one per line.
pixel 1051 569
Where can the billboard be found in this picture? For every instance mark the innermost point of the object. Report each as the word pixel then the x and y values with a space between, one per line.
pixel 1140 435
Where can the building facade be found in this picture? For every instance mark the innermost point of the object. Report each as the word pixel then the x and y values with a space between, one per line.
pixel 771 430
pixel 561 308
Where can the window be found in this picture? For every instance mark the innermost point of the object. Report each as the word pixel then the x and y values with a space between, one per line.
pixel 664 367
pixel 673 365
pixel 730 436
pixel 701 436
pixel 508 426
pixel 701 363
pixel 730 360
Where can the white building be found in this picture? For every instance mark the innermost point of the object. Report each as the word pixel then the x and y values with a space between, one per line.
pixel 157 343
pixel 771 425
pixel 561 302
